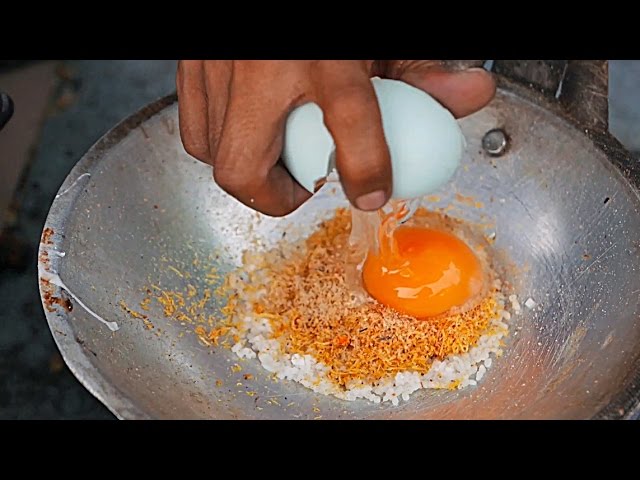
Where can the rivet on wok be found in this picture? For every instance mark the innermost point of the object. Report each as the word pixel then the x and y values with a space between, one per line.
pixel 495 142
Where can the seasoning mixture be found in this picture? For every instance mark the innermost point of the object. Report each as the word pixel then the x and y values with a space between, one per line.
pixel 297 315
pixel 293 309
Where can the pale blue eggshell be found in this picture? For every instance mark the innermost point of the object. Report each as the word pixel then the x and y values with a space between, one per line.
pixel 307 145
pixel 424 139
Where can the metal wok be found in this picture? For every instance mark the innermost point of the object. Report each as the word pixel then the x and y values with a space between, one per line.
pixel 563 197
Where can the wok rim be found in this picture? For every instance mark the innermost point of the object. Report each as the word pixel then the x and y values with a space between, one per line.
pixel 625 404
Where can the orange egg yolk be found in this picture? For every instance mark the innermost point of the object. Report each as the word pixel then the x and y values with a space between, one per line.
pixel 422 272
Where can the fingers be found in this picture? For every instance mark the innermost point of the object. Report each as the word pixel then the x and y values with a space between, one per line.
pixel 250 144
pixel 218 75
pixel 462 92
pixel 352 116
pixel 192 109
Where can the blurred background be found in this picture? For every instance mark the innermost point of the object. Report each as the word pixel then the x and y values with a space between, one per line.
pixel 61 109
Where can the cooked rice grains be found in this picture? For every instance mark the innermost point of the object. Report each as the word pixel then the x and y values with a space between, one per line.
pixel 291 308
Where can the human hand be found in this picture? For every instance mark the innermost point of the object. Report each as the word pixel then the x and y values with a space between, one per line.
pixel 232 115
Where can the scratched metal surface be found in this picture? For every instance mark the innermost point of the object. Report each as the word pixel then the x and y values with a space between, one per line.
pixel 568 218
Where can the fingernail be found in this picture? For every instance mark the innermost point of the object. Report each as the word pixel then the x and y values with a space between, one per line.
pixel 371 201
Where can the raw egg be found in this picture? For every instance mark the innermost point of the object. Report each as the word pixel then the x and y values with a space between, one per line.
pixel 423 272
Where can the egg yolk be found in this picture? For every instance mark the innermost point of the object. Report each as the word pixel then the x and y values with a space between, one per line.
pixel 424 273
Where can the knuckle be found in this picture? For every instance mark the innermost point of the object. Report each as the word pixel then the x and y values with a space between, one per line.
pixel 197 151
pixel 233 181
pixel 224 179
pixel 193 147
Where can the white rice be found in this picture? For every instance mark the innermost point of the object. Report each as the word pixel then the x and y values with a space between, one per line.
pixel 515 304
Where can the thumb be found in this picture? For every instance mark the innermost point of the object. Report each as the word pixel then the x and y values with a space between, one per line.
pixel 463 92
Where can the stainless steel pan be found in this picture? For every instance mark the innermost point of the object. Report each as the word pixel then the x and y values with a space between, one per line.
pixel 562 193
